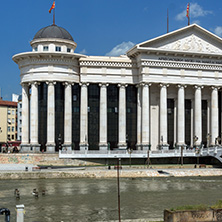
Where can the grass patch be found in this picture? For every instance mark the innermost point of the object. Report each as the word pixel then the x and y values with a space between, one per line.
pixel 190 207
pixel 217 205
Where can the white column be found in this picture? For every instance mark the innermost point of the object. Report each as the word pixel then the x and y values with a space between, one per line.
pixel 145 116
pixel 197 116
pixel 214 115
pixel 51 118
pixel 122 116
pixel 84 117
pixel 25 116
pixel 163 116
pixel 175 122
pixel 103 117
pixel 181 116
pixel 139 116
pixel 34 118
pixel 68 117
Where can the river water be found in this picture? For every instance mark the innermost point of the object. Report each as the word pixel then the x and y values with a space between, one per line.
pixel 96 199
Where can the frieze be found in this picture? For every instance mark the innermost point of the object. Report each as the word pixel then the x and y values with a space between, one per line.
pixel 181 65
pixel 69 62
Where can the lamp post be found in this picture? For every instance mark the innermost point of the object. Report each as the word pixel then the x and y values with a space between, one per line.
pixel 129 150
pixel 208 139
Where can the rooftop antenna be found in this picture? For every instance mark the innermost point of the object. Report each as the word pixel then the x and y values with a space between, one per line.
pixel 167 21
pixel 53 8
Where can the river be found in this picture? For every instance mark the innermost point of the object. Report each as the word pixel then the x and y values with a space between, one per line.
pixel 96 199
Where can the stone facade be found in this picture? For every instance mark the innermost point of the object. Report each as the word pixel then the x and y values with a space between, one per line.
pixel 177 78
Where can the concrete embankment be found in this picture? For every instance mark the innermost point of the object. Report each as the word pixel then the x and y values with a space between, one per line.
pixel 105 173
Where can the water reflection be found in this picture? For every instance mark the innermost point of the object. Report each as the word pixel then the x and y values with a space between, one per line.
pixel 96 199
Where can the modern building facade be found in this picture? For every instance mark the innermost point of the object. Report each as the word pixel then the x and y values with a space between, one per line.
pixel 8 121
pixel 164 93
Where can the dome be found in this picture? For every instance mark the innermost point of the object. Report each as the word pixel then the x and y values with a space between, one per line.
pixel 53 31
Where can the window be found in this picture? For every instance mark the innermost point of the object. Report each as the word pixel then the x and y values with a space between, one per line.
pixel 13 112
pixel 9 112
pixel 45 48
pixel 13 137
pixel 20 105
pixel 9 121
pixel 20 121
pixel 58 48
pixel 8 128
pixel 13 129
pixel 20 113
pixel 13 120
pixel 68 50
pixel 36 49
pixel 20 130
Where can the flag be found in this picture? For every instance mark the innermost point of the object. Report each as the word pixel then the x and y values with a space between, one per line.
pixel 53 6
pixel 188 10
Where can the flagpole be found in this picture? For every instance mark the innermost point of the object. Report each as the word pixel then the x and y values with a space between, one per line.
pixel 167 21
pixel 54 16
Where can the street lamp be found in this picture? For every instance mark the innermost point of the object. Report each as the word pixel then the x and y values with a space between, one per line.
pixel 130 150
pixel 208 139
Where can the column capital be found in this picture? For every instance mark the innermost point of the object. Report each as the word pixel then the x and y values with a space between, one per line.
pixel 198 87
pixel 122 85
pixel 180 86
pixel 34 83
pixel 164 85
pixel 51 83
pixel 68 84
pixel 215 88
pixel 145 84
pixel 24 84
pixel 103 85
pixel 85 84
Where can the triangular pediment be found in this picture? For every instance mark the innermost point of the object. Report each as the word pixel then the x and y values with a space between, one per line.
pixel 189 39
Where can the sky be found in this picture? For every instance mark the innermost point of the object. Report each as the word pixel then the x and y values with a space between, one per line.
pixel 99 27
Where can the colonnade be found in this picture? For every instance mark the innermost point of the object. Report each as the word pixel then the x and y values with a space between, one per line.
pixel 30 116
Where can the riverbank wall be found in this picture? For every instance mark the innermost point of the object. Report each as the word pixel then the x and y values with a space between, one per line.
pixel 41 159
pixel 105 173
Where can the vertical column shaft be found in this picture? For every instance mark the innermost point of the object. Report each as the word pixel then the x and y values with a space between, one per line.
pixel 197 116
pixel 84 116
pixel 103 117
pixel 139 116
pixel 214 115
pixel 25 114
pixel 68 116
pixel 34 114
pixel 51 117
pixel 181 116
pixel 163 114
pixel 145 116
pixel 122 116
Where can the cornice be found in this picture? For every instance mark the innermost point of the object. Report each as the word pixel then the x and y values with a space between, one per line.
pixel 108 64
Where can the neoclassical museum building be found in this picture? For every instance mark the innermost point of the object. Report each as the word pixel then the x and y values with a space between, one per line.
pixel 164 93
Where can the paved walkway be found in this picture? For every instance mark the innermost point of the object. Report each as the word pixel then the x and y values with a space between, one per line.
pixel 16 167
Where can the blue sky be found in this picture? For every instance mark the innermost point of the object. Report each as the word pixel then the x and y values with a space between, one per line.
pixel 99 27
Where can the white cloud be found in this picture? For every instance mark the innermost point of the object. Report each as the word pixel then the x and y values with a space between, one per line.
pixel 218 30
pixel 195 12
pixel 83 51
pixel 120 49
